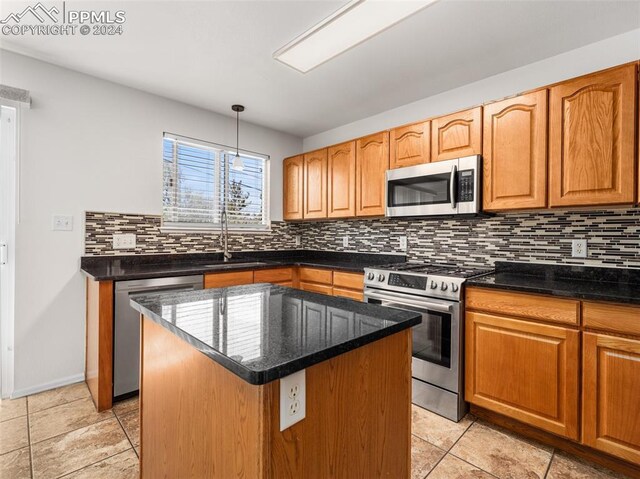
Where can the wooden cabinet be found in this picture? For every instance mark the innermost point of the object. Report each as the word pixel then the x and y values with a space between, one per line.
pixel 524 370
pixel 372 161
pixel 611 392
pixel 341 194
pixel 282 276
pixel 410 145
pixel 515 153
pixel 592 134
pixel 348 285
pixel 293 188
pixel 231 278
pixel 315 184
pixel 457 135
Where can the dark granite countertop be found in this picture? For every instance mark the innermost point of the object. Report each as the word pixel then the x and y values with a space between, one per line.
pixel 263 332
pixel 620 285
pixel 119 268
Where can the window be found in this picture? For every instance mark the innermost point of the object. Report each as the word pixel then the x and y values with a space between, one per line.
pixel 198 177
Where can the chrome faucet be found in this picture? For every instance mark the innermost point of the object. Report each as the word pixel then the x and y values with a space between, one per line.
pixel 224 234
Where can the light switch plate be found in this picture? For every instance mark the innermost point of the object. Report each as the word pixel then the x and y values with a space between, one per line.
pixel 62 223
pixel 297 238
pixel 403 243
pixel 293 398
pixel 124 241
pixel 345 241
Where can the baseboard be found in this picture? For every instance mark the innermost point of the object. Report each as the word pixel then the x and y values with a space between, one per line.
pixel 76 378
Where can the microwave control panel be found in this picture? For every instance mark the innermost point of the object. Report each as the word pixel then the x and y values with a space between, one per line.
pixel 465 185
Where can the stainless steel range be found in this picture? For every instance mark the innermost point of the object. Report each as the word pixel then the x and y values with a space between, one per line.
pixel 435 291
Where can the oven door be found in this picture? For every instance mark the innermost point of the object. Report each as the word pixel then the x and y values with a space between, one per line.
pixel 428 189
pixel 437 341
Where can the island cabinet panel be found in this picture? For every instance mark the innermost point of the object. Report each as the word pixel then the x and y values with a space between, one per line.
pixel 611 388
pixel 515 153
pixel 457 135
pixel 341 194
pixel 372 162
pixel 358 416
pixel 99 350
pixel 315 184
pixel 592 134
pixel 190 426
pixel 524 305
pixel 231 278
pixel 410 145
pixel 524 370
pixel 293 184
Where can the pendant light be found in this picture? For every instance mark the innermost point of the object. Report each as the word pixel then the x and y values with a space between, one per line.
pixel 237 164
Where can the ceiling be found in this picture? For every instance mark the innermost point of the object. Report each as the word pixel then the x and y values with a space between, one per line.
pixel 215 53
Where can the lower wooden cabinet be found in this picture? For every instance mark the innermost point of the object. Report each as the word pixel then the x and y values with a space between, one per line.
pixel 316 288
pixel 611 395
pixel 524 370
pixel 231 278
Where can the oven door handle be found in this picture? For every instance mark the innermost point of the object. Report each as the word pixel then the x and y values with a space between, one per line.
pixel 401 300
pixel 452 186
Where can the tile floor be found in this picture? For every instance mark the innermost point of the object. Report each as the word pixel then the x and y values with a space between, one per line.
pixel 58 433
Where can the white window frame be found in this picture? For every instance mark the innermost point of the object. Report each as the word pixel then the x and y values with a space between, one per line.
pixel 177 227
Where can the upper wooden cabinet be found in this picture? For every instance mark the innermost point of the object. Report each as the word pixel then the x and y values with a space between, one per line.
pixel 538 369
pixel 315 184
pixel 611 388
pixel 293 192
pixel 457 135
pixel 410 145
pixel 372 161
pixel 515 153
pixel 341 195
pixel 592 133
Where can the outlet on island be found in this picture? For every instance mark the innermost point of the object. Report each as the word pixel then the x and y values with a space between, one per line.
pixel 292 399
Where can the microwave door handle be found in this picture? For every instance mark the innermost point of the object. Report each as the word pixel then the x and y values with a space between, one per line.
pixel 452 186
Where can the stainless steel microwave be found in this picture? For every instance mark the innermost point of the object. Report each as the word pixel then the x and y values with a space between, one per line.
pixel 451 187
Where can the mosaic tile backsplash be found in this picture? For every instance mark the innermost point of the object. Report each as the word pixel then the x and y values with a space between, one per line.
pixel 544 236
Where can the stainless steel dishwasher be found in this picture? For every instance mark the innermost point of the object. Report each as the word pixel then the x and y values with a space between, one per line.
pixel 126 334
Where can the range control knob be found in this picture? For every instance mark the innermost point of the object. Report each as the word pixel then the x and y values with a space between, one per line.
pixel 454 287
pixel 444 286
pixel 434 285
pixel 370 276
pixel 381 277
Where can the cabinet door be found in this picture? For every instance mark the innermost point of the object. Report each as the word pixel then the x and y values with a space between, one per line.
pixel 527 371
pixel 315 184
pixel 410 145
pixel 515 152
pixel 591 139
pixel 372 161
pixel 457 135
pixel 342 180
pixel 292 170
pixel 611 392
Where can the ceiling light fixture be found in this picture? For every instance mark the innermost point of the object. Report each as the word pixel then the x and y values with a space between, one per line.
pixel 237 164
pixel 351 25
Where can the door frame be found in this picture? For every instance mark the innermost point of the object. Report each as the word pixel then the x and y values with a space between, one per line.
pixel 9 154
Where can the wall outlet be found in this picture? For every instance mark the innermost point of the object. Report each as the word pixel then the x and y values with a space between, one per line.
pixel 403 243
pixel 124 241
pixel 293 399
pixel 297 239
pixel 345 241
pixel 579 248
pixel 62 223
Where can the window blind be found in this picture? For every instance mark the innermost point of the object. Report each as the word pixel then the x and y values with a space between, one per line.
pixel 199 180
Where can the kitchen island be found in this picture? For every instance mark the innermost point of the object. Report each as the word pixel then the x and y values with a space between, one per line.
pixel 211 366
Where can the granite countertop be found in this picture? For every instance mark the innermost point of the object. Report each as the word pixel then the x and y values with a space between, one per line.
pixel 119 268
pixel 620 285
pixel 263 332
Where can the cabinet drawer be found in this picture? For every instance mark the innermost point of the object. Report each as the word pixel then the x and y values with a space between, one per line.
pixel 220 280
pixel 285 283
pixel 315 275
pixel 348 280
pixel 349 293
pixel 316 288
pixel 612 317
pixel 275 275
pixel 532 306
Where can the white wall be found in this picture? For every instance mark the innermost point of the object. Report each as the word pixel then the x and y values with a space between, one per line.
pixel 87 144
pixel 604 54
